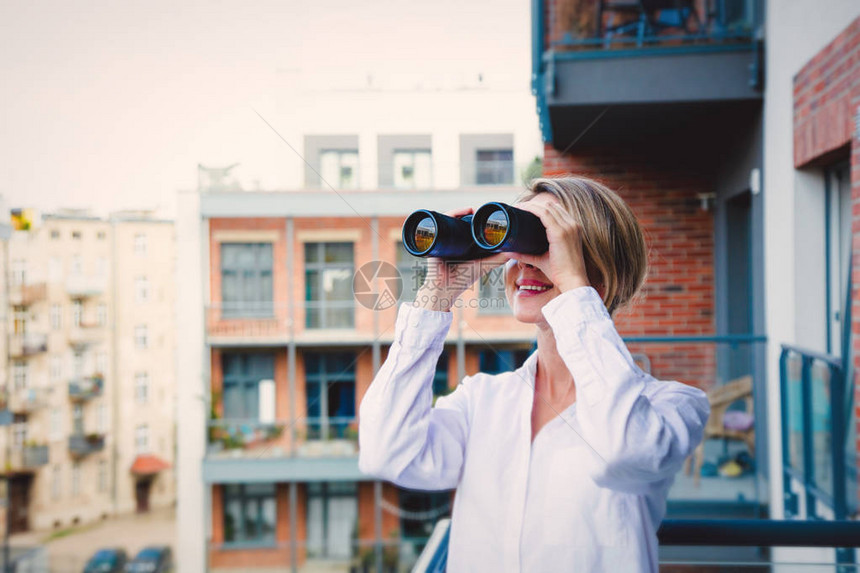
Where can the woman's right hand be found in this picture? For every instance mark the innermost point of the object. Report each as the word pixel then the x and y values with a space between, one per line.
pixel 446 280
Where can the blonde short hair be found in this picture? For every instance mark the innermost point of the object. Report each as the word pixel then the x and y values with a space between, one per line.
pixel 612 239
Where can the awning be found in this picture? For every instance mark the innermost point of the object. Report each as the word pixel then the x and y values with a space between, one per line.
pixel 148 465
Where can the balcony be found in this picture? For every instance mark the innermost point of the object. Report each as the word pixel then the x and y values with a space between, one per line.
pixel 86 388
pixel 29 458
pixel 643 68
pixel 308 449
pixel 81 445
pixel 27 294
pixel 86 333
pixel 27 400
pixel 26 345
pixel 79 287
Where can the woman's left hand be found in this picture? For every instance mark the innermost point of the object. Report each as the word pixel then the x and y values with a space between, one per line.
pixel 564 262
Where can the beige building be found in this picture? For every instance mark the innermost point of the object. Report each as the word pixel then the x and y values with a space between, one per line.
pixel 89 370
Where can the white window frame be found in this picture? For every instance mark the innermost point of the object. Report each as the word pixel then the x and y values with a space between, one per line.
pixel 141 439
pixel 333 166
pixel 141 387
pixel 56 316
pixel 141 337
pixel 141 289
pixel 140 244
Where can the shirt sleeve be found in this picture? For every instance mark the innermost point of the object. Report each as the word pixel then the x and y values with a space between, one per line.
pixel 402 437
pixel 641 428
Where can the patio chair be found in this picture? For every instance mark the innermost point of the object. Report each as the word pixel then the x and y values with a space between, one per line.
pixel 717 427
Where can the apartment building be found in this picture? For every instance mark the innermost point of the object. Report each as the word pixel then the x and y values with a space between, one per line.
pixel 286 350
pixel 89 367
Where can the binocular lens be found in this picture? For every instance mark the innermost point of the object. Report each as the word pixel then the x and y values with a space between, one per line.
pixel 425 232
pixel 495 228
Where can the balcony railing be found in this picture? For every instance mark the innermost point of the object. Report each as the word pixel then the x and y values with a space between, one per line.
pixel 819 462
pixel 29 344
pixel 81 445
pixel 26 400
pixel 86 388
pixel 588 25
pixel 307 438
pixel 28 458
pixel 84 287
pixel 27 294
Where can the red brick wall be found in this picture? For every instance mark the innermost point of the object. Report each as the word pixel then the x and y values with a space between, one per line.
pixel 826 101
pixel 678 296
pixel 826 93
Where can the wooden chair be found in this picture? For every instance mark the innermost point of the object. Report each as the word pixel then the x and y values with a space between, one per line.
pixel 720 399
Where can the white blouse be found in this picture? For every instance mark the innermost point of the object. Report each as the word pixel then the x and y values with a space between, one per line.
pixel 587 495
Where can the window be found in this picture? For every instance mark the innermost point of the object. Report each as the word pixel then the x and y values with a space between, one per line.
pixel 103 476
pixel 242 375
pixel 19 375
pixel 101 314
pixel 440 377
pixel 77 267
pixel 77 419
pixel 497 361
pixel 55 269
pixel 492 292
pixel 412 169
pixel 412 271
pixel 141 289
pixel 328 285
pixel 19 272
pixel 250 513
pixel 101 362
pixel 56 424
pixel 76 478
pixel 55 234
pixel 331 515
pixel 330 390
pixel 420 511
pixel 56 476
pixel 141 387
pixel 140 244
pixel 78 362
pixel 246 279
pixel 339 168
pixel 141 439
pixel 56 317
pixel 56 368
pixel 101 418
pixel 76 235
pixel 141 337
pixel 19 430
pixel 494 166
pixel 101 235
pixel 77 313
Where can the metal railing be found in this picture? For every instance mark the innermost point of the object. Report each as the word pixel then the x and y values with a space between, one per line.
pixel 601 25
pixel 307 437
pixel 81 445
pixel 818 468
pixel 28 293
pixel 29 344
pixel 86 387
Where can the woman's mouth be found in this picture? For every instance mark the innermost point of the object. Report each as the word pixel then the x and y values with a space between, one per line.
pixel 528 288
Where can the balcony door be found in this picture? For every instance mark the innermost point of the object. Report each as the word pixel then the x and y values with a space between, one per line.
pixel 332 515
pixel 330 390
pixel 243 372
pixel 246 280
pixel 838 245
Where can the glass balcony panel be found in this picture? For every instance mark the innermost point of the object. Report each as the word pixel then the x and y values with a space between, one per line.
pixel 822 450
pixel 794 416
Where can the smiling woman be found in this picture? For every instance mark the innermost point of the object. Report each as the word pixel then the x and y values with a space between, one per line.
pixel 563 464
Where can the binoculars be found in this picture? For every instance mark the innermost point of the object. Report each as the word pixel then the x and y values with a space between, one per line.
pixel 493 228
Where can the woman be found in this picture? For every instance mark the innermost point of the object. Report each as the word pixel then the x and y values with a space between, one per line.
pixel 565 463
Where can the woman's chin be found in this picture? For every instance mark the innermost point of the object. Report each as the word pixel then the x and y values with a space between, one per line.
pixel 528 309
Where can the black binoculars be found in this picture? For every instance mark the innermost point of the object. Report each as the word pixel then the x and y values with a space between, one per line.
pixel 493 228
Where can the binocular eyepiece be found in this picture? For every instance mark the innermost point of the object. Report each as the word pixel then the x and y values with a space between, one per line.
pixel 494 227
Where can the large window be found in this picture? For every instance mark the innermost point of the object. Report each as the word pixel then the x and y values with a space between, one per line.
pixel 242 375
pixel 411 169
pixel 419 512
pixel 494 167
pixel 330 390
pixel 497 361
pixel 339 168
pixel 332 515
pixel 328 285
pixel 246 279
pixel 250 513
pixel 412 271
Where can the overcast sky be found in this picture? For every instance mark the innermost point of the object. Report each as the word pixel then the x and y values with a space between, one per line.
pixel 112 105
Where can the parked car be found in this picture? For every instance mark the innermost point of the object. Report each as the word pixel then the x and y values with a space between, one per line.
pixel 154 559
pixel 108 560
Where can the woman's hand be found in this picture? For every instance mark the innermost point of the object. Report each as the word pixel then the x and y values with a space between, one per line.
pixel 564 262
pixel 447 280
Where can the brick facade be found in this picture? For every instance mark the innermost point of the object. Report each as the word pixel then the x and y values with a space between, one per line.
pixel 678 296
pixel 826 125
